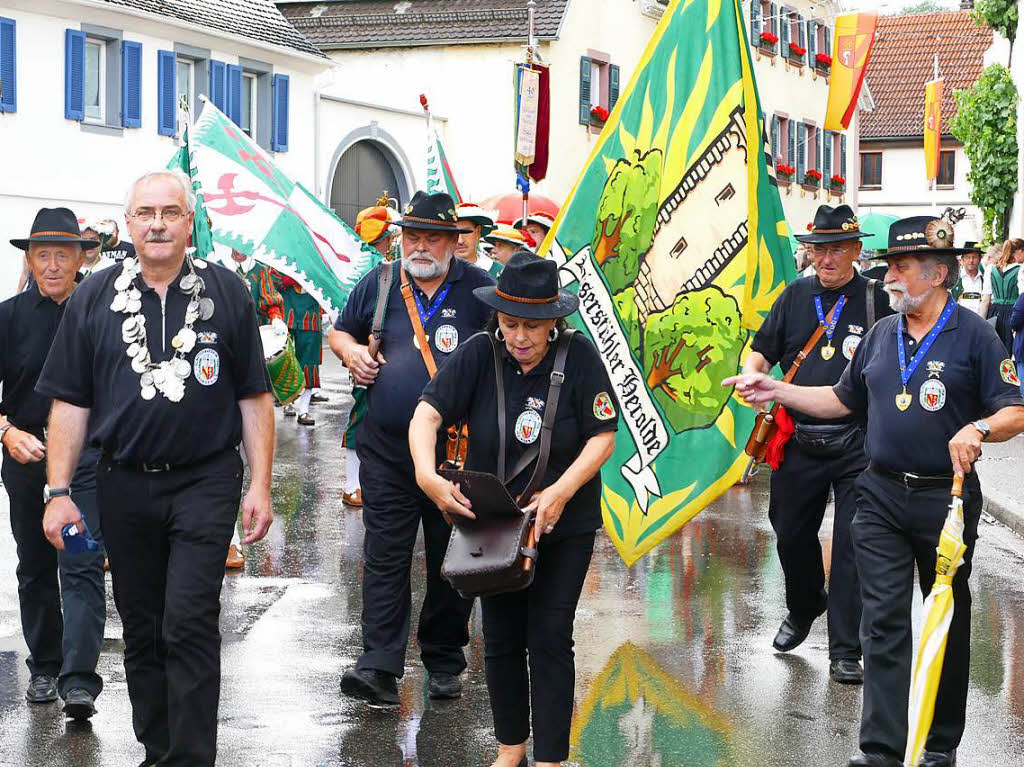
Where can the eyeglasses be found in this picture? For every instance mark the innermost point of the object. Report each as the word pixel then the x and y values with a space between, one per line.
pixel 818 251
pixel 167 215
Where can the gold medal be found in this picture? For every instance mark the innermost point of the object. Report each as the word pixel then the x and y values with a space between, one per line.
pixel 416 341
pixel 903 400
pixel 827 351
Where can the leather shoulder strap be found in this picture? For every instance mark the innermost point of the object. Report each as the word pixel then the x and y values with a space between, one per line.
pixel 811 343
pixel 870 300
pixel 550 409
pixel 417 326
pixel 385 277
pixel 499 382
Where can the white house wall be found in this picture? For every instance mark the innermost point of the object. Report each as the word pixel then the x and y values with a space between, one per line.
pixel 49 161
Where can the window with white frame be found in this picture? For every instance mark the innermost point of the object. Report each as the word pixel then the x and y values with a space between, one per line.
pixel 185 83
pixel 249 111
pixel 95 79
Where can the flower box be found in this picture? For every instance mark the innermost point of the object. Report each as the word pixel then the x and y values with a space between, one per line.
pixel 837 184
pixel 796 53
pixel 823 61
pixel 767 42
pixel 784 172
pixel 812 178
pixel 598 116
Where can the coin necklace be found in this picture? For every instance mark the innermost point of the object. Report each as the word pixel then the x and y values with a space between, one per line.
pixel 830 327
pixel 904 398
pixel 167 377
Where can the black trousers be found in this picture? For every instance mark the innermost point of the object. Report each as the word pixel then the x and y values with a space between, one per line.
pixel 894 529
pixel 393 510
pixel 528 650
pixel 1003 329
pixel 64 644
pixel 167 536
pixel 799 493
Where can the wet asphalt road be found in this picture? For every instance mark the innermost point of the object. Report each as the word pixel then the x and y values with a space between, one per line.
pixel 674 658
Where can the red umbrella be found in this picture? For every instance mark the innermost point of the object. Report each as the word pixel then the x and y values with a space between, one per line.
pixel 510 206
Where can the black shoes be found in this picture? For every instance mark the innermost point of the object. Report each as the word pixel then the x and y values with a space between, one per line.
pixel 794 631
pixel 444 686
pixel 378 688
pixel 874 760
pixel 41 689
pixel 939 759
pixel 306 419
pixel 79 705
pixel 846 671
pixel 318 397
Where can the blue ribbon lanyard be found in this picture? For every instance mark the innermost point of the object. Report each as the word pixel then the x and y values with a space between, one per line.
pixel 428 313
pixel 906 371
pixel 830 328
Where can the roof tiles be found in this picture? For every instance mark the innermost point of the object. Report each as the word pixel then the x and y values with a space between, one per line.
pixel 903 60
pixel 380 23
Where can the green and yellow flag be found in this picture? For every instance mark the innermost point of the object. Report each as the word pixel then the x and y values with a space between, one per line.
pixel 675 239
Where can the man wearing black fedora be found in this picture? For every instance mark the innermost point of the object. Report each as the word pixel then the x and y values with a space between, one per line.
pixel 933 383
pixel 393 346
pixel 824 454
pixel 64 645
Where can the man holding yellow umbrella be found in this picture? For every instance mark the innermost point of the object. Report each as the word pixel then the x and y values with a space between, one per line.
pixel 934 383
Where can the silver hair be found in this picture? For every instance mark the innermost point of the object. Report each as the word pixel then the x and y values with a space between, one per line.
pixel 173 173
pixel 930 263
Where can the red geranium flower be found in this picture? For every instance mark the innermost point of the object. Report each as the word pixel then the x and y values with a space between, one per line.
pixel 838 180
pixel 769 38
pixel 599 113
pixel 797 50
pixel 824 59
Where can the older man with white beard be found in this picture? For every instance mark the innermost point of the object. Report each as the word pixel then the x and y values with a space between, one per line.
pixel 934 383
pixel 391 346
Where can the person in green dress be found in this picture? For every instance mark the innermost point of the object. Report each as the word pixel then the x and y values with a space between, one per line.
pixel 1001 289
pixel 302 315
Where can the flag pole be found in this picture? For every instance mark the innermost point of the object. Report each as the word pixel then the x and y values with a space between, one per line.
pixel 935 181
pixel 531 7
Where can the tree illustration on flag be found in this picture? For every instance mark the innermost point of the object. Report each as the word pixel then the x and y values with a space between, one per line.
pixel 256 209
pixel 675 239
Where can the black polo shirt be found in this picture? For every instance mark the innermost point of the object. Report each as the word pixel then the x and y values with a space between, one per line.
pixel 969 378
pixel 466 389
pixel 28 323
pixel 121 251
pixel 392 398
pixel 794 318
pixel 89 368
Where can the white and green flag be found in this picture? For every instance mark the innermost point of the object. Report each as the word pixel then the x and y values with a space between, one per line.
pixel 256 209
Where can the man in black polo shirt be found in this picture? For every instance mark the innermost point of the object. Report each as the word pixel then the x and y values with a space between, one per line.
pixel 63 646
pixel 823 454
pixel 159 359
pixel 393 505
pixel 934 383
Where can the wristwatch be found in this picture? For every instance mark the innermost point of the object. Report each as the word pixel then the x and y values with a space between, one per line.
pixel 49 493
pixel 984 428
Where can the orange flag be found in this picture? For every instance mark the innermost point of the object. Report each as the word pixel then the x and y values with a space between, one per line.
pixel 854 38
pixel 932 127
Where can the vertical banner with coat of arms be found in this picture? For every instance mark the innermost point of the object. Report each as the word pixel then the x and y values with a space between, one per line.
pixel 932 127
pixel 855 37
pixel 675 239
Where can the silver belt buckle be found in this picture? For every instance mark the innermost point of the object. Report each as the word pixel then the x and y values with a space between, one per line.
pixel 907 476
pixel 155 468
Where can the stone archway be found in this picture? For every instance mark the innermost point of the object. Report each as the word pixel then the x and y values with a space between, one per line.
pixel 365 164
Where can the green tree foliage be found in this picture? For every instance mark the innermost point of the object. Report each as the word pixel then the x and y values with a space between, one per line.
pixel 925 6
pixel 1001 15
pixel 986 123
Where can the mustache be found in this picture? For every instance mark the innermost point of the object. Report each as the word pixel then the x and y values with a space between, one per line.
pixel 897 287
pixel 157 237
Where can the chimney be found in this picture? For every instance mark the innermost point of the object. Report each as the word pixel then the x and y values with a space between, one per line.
pixel 966 5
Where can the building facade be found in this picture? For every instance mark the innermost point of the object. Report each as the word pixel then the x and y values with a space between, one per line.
pixel 89 94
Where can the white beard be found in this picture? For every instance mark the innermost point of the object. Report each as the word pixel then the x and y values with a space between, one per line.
pixel 427 271
pixel 900 301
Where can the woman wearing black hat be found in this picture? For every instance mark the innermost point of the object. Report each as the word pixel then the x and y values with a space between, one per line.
pixel 533 626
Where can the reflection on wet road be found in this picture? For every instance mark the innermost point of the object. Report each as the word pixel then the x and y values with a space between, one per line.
pixel 675 666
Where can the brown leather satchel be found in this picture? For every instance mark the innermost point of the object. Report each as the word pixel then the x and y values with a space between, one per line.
pixel 495 552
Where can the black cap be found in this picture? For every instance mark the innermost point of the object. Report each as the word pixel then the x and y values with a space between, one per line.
pixel 55 225
pixel 922 236
pixel 833 225
pixel 432 211
pixel 528 287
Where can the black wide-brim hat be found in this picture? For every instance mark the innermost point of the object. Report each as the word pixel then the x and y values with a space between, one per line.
pixel 528 288
pixel 55 225
pixel 435 212
pixel 833 225
pixel 921 236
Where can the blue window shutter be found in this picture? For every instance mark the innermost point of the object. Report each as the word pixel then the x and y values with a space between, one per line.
pixel 773 12
pixel 218 84
pixel 791 132
pixel 586 65
pixel 233 102
pixel 74 74
pixel 8 67
pixel 131 84
pixel 784 29
pixel 755 20
pixel 167 109
pixel 842 155
pixel 828 40
pixel 280 138
pixel 801 151
pixel 812 40
pixel 826 170
pixel 613 85
pixel 818 147
pixel 801 30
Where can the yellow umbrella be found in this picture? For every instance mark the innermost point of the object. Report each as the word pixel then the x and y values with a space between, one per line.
pixel 938 612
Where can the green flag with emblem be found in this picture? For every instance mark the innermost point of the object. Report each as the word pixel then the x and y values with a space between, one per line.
pixel 675 239
pixel 255 208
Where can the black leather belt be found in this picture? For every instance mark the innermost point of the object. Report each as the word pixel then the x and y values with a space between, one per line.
pixel 147 467
pixel 909 479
